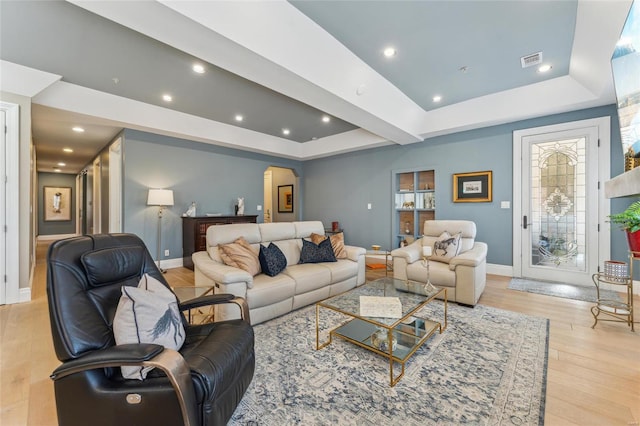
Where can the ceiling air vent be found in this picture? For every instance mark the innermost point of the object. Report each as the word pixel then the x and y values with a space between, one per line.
pixel 531 60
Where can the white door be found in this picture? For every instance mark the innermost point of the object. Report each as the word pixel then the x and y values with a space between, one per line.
pixel 79 200
pixel 560 203
pixel 3 204
pixel 97 197
pixel 9 204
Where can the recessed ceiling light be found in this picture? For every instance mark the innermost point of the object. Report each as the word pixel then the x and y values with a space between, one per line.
pixel 437 98
pixel 198 68
pixel 239 117
pixel 326 119
pixel 62 164
pixel 78 129
pixel 167 98
pixel 389 52
pixel 314 138
pixel 286 131
pixel 57 170
pixel 67 149
pixel 544 68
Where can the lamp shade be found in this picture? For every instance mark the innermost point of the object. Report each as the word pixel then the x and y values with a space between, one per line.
pixel 160 197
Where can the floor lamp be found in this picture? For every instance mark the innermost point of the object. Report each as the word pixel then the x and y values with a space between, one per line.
pixel 426 254
pixel 161 198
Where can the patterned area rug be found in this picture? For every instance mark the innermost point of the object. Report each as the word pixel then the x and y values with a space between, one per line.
pixel 487 368
pixel 568 291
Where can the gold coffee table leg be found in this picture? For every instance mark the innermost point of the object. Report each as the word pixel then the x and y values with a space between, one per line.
pixel 394 381
pixel 318 345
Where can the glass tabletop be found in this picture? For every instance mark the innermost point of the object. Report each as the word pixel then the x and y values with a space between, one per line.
pixel 410 293
pixel 185 293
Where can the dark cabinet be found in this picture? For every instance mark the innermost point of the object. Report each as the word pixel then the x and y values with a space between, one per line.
pixel 194 232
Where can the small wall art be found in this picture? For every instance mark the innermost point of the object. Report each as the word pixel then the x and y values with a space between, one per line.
pixel 285 198
pixel 474 187
pixel 57 203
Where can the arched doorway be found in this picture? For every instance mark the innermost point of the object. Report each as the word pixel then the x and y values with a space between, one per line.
pixel 281 195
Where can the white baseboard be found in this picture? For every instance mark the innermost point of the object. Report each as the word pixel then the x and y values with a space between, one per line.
pixel 55 237
pixel 172 263
pixel 504 270
pixel 24 295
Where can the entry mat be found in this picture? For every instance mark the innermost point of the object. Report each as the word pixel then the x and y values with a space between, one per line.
pixel 558 289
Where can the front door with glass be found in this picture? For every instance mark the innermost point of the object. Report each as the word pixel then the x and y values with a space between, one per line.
pixel 560 205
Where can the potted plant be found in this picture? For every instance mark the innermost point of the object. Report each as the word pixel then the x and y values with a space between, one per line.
pixel 629 221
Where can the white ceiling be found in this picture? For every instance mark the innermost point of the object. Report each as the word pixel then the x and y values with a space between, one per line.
pixel 286 64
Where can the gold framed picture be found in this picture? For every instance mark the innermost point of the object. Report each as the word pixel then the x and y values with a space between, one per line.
pixel 57 203
pixel 474 187
pixel 285 198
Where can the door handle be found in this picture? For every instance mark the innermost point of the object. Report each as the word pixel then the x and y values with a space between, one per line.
pixel 524 222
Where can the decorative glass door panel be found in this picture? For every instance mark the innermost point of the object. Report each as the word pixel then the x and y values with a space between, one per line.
pixel 559 224
pixel 558 204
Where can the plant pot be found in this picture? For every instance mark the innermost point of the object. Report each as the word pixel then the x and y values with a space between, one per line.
pixel 633 238
pixel 616 271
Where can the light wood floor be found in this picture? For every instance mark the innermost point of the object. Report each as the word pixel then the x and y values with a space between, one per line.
pixel 593 376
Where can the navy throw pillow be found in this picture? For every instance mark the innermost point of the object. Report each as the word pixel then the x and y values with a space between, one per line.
pixel 315 253
pixel 272 260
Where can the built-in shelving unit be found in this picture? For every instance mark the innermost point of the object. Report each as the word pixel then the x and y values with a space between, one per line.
pixel 414 202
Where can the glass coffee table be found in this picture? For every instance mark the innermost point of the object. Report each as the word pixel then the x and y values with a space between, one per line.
pixel 200 315
pixel 397 339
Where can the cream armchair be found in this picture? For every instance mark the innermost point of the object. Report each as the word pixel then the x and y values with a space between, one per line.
pixel 464 276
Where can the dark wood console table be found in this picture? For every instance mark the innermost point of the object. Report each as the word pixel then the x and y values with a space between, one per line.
pixel 194 232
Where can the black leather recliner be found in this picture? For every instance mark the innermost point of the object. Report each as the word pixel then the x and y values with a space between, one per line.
pixel 200 385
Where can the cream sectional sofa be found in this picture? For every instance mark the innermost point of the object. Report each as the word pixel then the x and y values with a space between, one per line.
pixel 297 286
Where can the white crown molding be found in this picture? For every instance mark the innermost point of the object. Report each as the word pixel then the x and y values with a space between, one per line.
pixel 119 111
pixel 24 81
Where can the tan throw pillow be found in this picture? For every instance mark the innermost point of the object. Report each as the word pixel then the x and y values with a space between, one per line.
pixel 446 247
pixel 240 254
pixel 337 243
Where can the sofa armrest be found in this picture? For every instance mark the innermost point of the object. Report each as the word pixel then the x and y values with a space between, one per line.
pixel 473 257
pixel 354 253
pixel 410 253
pixel 219 272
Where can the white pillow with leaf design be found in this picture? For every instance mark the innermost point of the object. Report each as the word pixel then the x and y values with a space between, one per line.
pixel 147 314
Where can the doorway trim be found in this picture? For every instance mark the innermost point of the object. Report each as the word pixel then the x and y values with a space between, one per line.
pixel 603 125
pixel 115 186
pixel 97 196
pixel 11 285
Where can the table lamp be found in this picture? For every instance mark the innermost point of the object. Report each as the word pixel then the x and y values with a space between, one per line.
pixel 161 198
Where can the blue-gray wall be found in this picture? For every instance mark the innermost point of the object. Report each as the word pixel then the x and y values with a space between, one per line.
pixel 56 227
pixel 214 177
pixel 339 188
